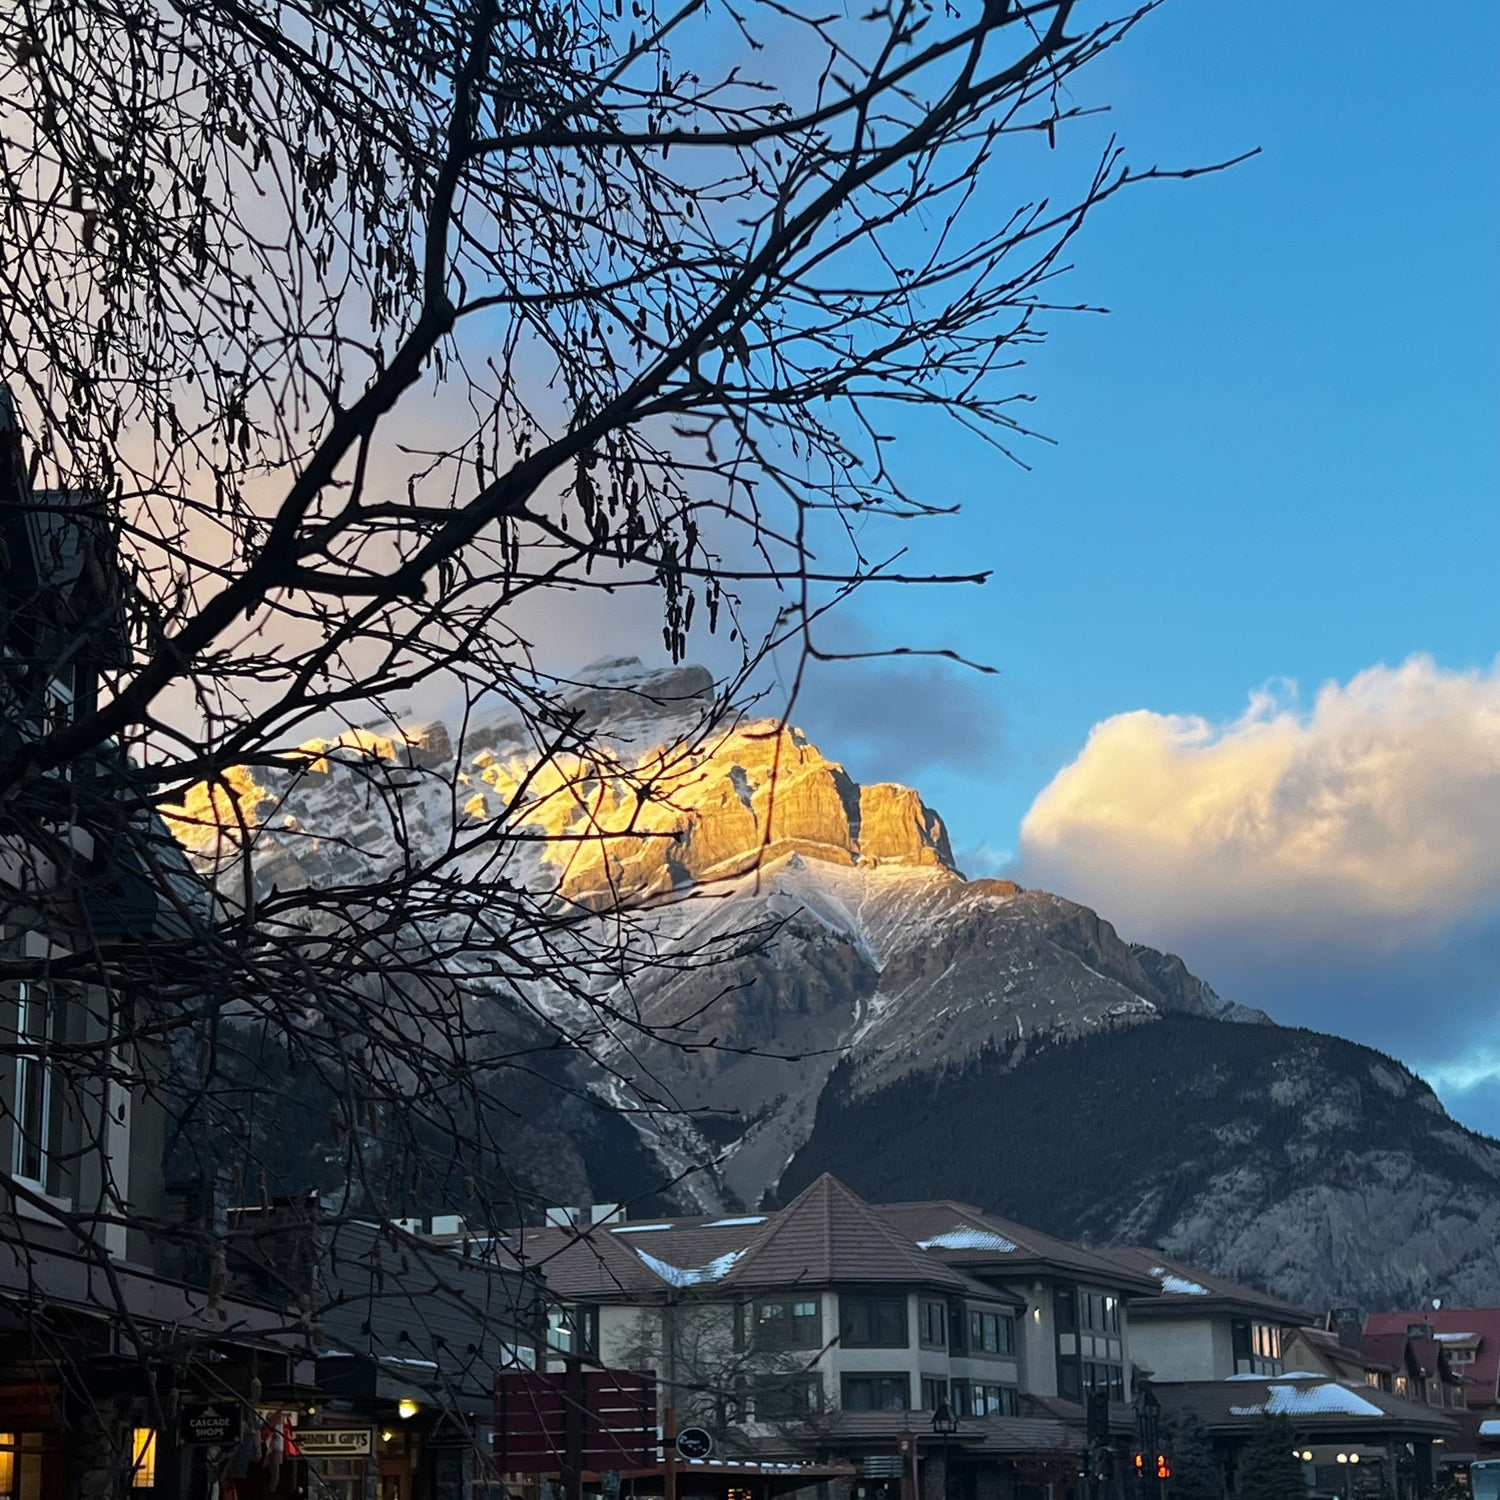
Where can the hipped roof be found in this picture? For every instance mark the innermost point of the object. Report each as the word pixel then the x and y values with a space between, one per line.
pixel 827 1236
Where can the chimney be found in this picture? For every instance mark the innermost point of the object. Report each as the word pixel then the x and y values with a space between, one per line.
pixel 1348 1323
pixel 1420 1331
pixel 273 1250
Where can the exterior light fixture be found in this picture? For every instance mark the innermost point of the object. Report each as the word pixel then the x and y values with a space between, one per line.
pixel 386 1435
pixel 1354 1458
pixel 1343 1458
pixel 944 1423
pixel 406 1408
pixel 1307 1455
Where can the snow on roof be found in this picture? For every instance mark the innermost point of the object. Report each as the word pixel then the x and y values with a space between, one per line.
pixel 716 1270
pixel 638 1228
pixel 968 1237
pixel 1325 1398
pixel 1178 1286
pixel 1456 1338
pixel 735 1223
pixel 1490 1427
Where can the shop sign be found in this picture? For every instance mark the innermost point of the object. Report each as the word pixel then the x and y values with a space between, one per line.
pixel 334 1442
pixel 204 1423
pixel 694 1442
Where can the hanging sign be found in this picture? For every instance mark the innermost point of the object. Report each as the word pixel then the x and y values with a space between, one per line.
pixel 206 1423
pixel 694 1442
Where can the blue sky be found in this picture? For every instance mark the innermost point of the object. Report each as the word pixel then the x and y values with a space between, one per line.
pixel 1277 462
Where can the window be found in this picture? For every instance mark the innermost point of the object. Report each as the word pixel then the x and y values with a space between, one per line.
pixel 31 1158
pixel 934 1392
pixel 1461 1356
pixel 1109 1378
pixel 876 1393
pixel 142 1458
pixel 573 1330
pixel 976 1398
pixel 1065 1309
pixel 991 1333
pixel 1257 1347
pixel 787 1398
pixel 873 1323
pixel 1096 1310
pixel 787 1323
pixel 934 1325
pixel 1266 1341
pixel 956 1322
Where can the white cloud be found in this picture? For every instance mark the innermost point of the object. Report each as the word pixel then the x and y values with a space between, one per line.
pixel 1372 820
pixel 1478 1069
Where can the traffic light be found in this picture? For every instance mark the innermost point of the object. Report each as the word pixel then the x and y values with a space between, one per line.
pixel 1163 1468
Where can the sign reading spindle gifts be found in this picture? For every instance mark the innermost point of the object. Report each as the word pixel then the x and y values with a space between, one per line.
pixel 331 1442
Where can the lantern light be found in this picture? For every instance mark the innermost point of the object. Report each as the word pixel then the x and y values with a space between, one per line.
pixel 406 1408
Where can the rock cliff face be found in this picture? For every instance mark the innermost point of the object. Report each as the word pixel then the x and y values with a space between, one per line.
pixel 882 988
pixel 1285 1159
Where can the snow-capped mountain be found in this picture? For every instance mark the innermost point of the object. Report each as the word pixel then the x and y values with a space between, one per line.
pixel 821 968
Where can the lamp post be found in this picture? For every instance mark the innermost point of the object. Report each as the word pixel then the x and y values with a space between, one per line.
pixel 944 1425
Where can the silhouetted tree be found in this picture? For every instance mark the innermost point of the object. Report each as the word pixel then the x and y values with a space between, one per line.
pixel 1267 1468
pixel 1196 1471
pixel 350 345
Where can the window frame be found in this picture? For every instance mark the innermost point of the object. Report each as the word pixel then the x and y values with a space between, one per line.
pixel 868 1304
pixel 33 1054
pixel 932 1331
pixel 933 1386
pixel 991 1320
pixel 581 1322
pixel 901 1378
pixel 759 1326
pixel 787 1384
pixel 997 1399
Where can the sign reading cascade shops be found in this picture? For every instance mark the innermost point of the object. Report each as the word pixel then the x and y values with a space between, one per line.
pixel 335 1442
pixel 206 1423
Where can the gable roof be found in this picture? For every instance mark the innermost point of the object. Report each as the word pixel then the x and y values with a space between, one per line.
pixel 1324 1345
pixel 1481 1324
pixel 1184 1287
pixel 980 1241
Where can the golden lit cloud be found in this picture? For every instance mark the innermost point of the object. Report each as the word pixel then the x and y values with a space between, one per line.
pixel 1372 818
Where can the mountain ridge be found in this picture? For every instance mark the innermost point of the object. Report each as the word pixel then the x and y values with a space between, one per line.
pixel 852 965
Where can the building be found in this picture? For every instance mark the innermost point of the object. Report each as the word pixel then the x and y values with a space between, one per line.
pixel 1449 1356
pixel 1334 1346
pixel 835 1330
pixel 1469 1339
pixel 410 1334
pixel 1353 1439
pixel 132 1357
pixel 1199 1326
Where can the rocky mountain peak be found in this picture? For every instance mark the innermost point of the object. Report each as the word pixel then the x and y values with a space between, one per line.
pixel 669 793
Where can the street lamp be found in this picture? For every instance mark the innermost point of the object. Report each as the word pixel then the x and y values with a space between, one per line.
pixel 944 1425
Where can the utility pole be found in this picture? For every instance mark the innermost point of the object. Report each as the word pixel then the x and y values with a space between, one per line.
pixel 574 1402
pixel 669 1453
